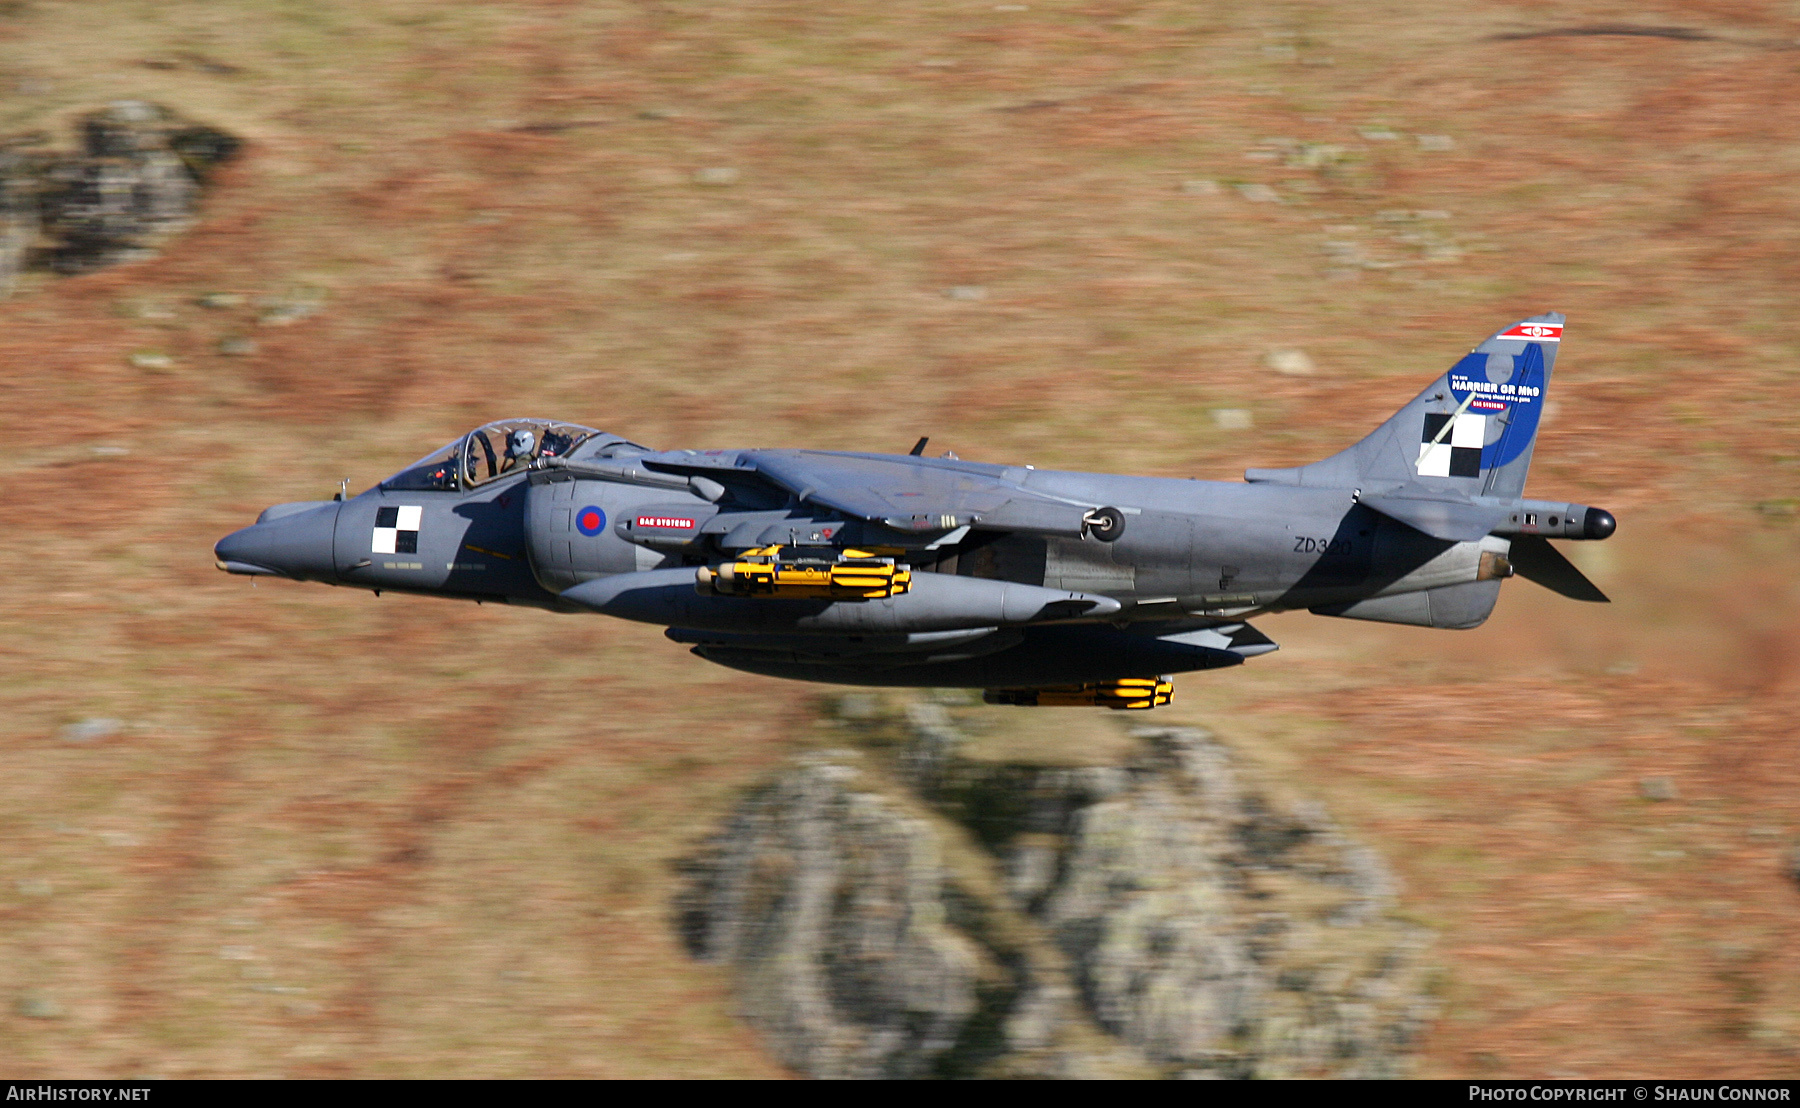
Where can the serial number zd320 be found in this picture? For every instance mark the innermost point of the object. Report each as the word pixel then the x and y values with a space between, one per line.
pixel 1327 547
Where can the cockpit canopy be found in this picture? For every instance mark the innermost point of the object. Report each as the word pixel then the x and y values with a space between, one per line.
pixel 494 450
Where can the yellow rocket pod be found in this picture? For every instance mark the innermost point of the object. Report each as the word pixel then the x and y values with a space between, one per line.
pixel 1127 693
pixel 850 575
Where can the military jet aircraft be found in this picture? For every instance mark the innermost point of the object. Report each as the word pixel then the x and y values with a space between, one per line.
pixel 1038 586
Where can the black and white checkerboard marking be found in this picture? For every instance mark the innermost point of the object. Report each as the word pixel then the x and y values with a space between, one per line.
pixel 1457 454
pixel 396 529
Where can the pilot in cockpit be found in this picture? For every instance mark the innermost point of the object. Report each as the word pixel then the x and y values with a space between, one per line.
pixel 519 447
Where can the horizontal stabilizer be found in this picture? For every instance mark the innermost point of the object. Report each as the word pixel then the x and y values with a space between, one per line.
pixel 1534 559
pixel 1450 520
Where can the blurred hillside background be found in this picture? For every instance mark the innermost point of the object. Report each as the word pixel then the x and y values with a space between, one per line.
pixel 289 830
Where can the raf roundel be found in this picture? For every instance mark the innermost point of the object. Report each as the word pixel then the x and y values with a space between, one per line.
pixel 590 521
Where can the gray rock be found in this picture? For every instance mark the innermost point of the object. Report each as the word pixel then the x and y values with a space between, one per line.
pixel 966 292
pixel 1658 788
pixel 111 209
pixel 1154 917
pixel 1031 870
pixel 856 706
pixel 124 128
pixel 1314 155
pixel 1259 194
pixel 135 182
pixel 1040 1008
pixel 933 743
pixel 19 221
pixel 927 717
pixel 1290 363
pixel 1145 915
pixel 1201 765
pixel 37 1006
pixel 828 902
pixel 279 311
pixel 90 729
pixel 716 176
pixel 237 346
pixel 1365 874
pixel 1099 782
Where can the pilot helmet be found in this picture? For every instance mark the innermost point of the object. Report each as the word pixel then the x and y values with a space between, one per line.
pixel 519 443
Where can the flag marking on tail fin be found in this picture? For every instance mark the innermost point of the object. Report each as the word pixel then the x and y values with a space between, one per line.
pixel 1534 332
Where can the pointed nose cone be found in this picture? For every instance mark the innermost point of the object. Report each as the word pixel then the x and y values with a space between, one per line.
pixel 297 545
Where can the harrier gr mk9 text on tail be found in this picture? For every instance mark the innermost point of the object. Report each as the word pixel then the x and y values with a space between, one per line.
pixel 1040 587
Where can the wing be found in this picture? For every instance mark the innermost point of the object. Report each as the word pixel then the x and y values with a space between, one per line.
pixel 900 491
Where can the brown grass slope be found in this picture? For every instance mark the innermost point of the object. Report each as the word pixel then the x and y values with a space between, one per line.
pixel 343 835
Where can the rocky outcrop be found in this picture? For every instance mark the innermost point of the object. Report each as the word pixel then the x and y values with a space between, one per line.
pixel 912 911
pixel 136 180
pixel 829 900
pixel 18 215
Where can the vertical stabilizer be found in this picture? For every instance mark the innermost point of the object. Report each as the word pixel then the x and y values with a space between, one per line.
pixel 1471 432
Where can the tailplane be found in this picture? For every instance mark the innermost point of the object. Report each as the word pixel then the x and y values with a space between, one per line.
pixel 1470 433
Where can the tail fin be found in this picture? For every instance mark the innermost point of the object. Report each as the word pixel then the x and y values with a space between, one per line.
pixel 1471 432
